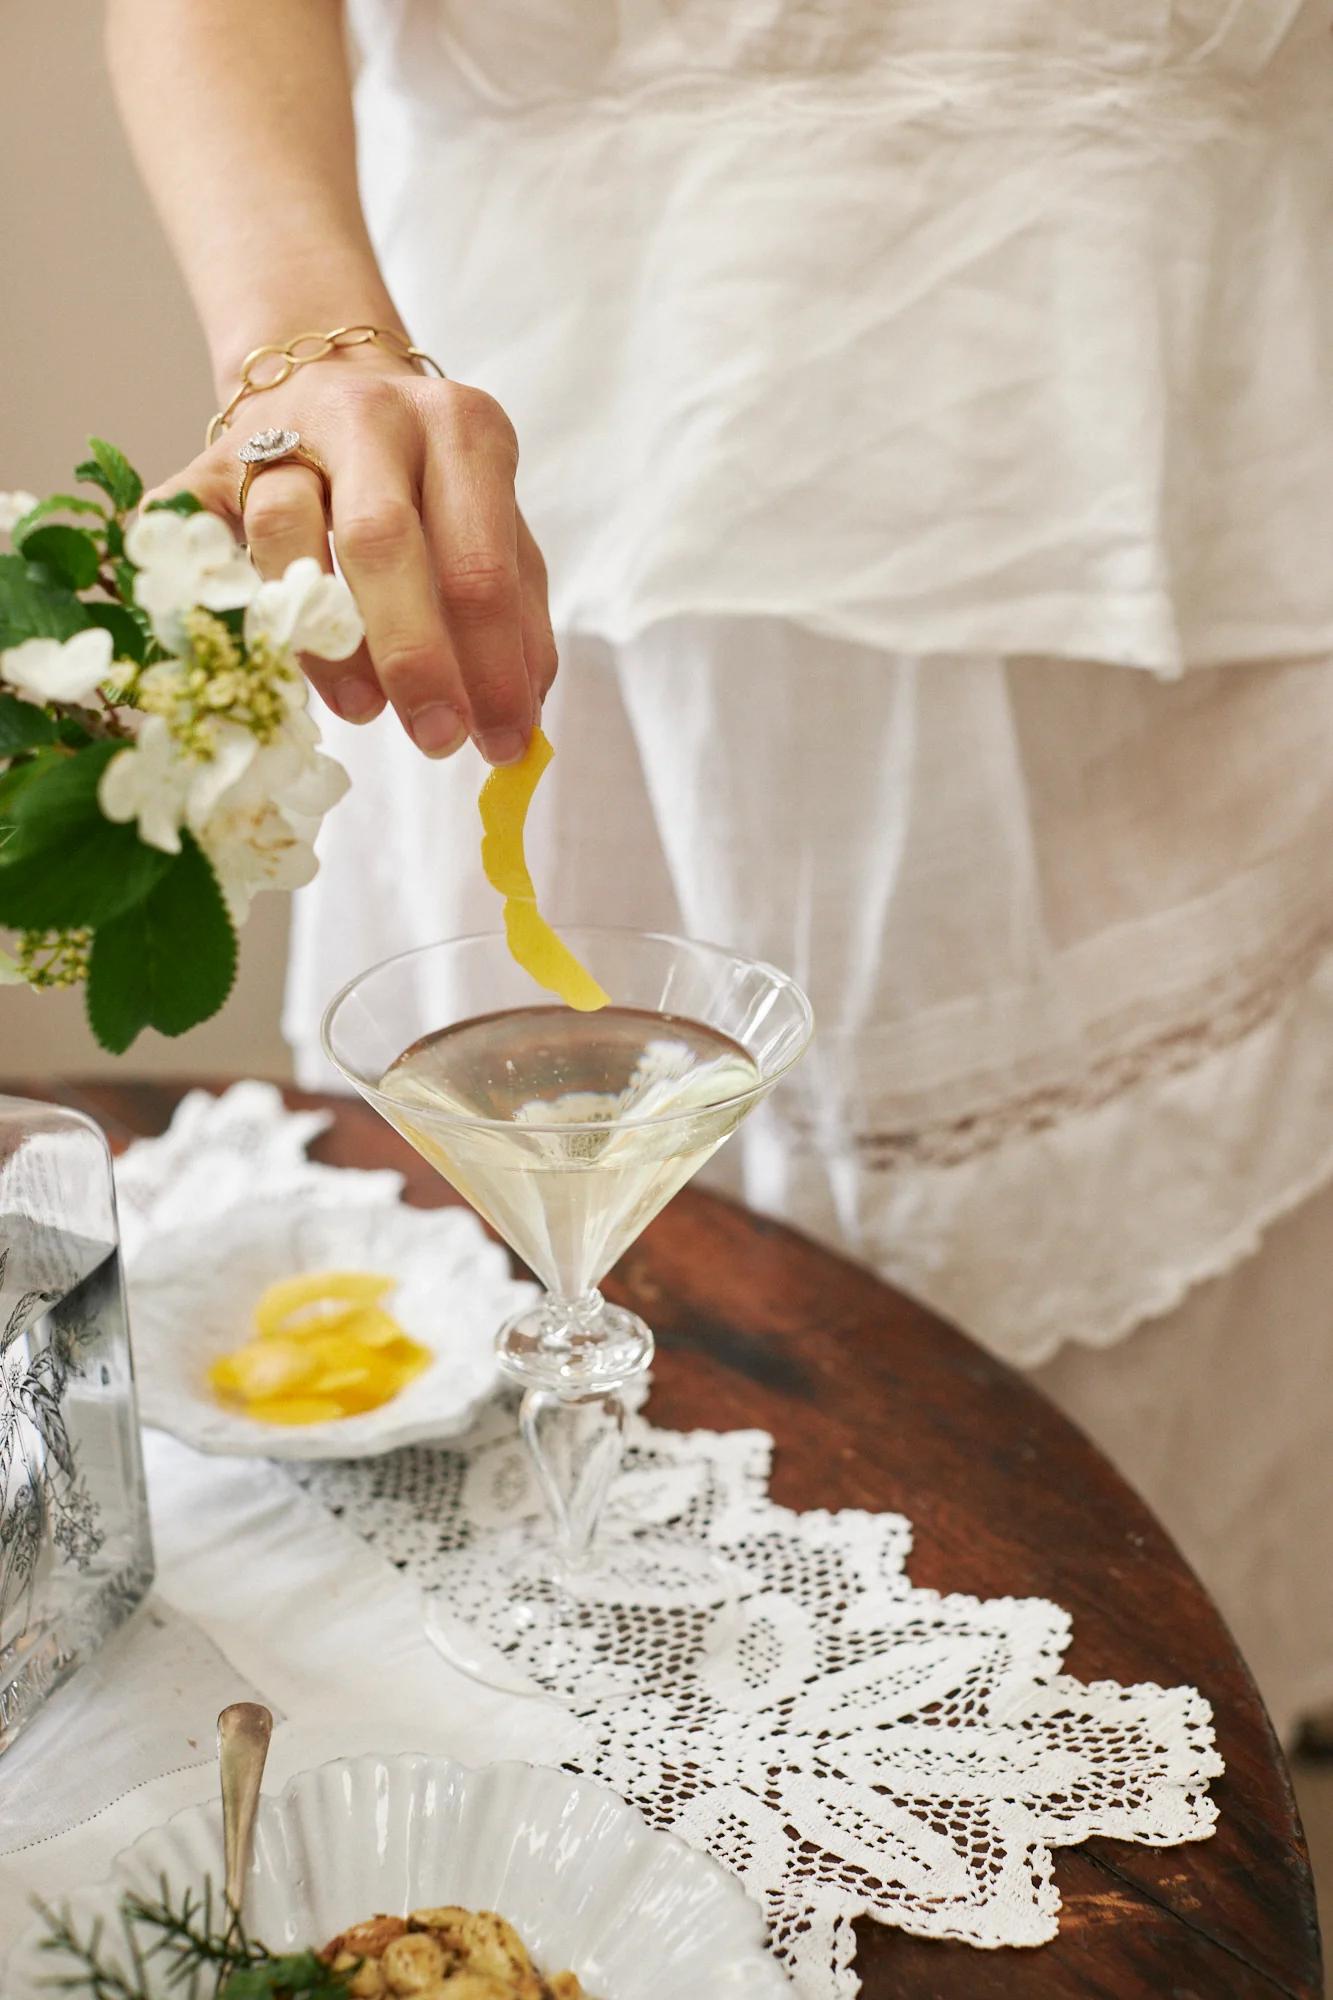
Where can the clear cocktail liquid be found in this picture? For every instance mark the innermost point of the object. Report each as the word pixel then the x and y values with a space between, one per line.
pixel 570 1131
pixel 75 1552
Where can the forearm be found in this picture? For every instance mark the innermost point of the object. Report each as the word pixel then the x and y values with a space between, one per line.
pixel 240 116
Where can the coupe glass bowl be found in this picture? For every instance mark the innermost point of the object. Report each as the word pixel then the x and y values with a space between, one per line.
pixel 590 1887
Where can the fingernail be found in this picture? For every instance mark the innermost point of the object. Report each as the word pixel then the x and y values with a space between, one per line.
pixel 503 746
pixel 357 699
pixel 437 728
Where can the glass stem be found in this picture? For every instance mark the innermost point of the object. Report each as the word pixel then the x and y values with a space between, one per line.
pixel 569 1323
pixel 576 1442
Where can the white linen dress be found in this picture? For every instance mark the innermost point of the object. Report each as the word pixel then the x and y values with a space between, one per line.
pixel 926 410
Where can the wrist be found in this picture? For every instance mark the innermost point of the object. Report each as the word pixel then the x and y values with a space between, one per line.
pixel 281 322
pixel 359 345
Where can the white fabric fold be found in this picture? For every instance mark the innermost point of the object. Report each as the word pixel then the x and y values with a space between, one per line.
pixel 941 328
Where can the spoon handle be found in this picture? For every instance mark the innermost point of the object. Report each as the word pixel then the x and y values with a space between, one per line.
pixel 243 1733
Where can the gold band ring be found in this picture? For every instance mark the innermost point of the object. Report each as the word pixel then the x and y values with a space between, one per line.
pixel 277 447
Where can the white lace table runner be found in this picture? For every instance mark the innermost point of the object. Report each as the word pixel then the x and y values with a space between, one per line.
pixel 854 1745
pixel 846 1743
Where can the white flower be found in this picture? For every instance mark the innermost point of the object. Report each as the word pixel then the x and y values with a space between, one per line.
pixel 314 789
pixel 254 807
pixel 49 670
pixel 234 751
pixel 291 767
pixel 260 834
pixel 149 781
pixel 186 560
pixel 306 611
pixel 13 506
pixel 252 846
pixel 162 787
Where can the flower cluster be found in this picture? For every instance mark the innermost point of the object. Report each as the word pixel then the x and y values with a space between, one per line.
pixel 53 958
pixel 223 743
pixel 170 710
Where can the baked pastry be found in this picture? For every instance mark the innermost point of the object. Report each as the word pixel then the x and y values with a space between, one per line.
pixel 443 1954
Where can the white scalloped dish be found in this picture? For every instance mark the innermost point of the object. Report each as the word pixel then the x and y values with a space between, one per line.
pixel 590 1887
pixel 193 1292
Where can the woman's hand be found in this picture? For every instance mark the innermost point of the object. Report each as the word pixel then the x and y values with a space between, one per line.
pixel 449 581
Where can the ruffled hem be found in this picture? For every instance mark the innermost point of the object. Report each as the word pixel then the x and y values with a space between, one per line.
pixel 1091 631
pixel 1202 1162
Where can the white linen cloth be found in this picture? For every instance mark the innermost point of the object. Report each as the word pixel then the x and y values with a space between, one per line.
pixel 944 326
pixel 887 1713
pixel 327 1633
pixel 139 1711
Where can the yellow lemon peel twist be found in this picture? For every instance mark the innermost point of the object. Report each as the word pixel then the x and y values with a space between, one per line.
pixel 505 798
pixel 324 1348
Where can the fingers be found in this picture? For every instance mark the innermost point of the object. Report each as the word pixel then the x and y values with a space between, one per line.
pixel 284 520
pixel 539 653
pixel 447 576
pixel 471 522
pixel 381 548
pixel 214 478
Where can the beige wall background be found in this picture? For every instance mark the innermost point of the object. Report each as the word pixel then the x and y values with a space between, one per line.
pixel 97 334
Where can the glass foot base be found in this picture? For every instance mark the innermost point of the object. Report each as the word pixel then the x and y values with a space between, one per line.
pixel 522 1624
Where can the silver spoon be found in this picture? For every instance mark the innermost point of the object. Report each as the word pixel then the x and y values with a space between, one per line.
pixel 243 1733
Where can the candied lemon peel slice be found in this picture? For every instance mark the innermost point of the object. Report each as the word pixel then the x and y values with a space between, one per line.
pixel 505 798
pixel 317 1295
pixel 325 1347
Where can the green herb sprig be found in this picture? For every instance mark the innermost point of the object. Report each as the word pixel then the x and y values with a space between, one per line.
pixel 201 1951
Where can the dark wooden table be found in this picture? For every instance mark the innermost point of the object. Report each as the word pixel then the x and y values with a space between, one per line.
pixel 875 1403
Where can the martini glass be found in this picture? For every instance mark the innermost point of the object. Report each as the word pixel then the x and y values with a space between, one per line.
pixel 568 1132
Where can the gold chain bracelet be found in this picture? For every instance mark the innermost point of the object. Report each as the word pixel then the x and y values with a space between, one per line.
pixel 307 347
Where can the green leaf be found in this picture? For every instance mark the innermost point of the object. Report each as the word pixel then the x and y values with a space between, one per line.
pixel 178 503
pixel 58 503
pixel 13 782
pixel 67 553
pixel 111 470
pixel 33 607
pixel 115 539
pixel 130 633
pixel 23 726
pixel 64 865
pixel 125 573
pixel 169 962
pixel 296 1977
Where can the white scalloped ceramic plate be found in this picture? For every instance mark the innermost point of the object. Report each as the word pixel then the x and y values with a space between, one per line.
pixel 193 1291
pixel 637 1915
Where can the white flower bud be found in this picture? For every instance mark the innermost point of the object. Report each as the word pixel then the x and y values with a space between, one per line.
pixel 13 506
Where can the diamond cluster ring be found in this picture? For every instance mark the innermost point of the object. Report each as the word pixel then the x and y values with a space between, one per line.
pixel 277 447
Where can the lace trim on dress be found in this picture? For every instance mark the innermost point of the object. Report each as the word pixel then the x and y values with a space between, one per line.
pixel 1224 1014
